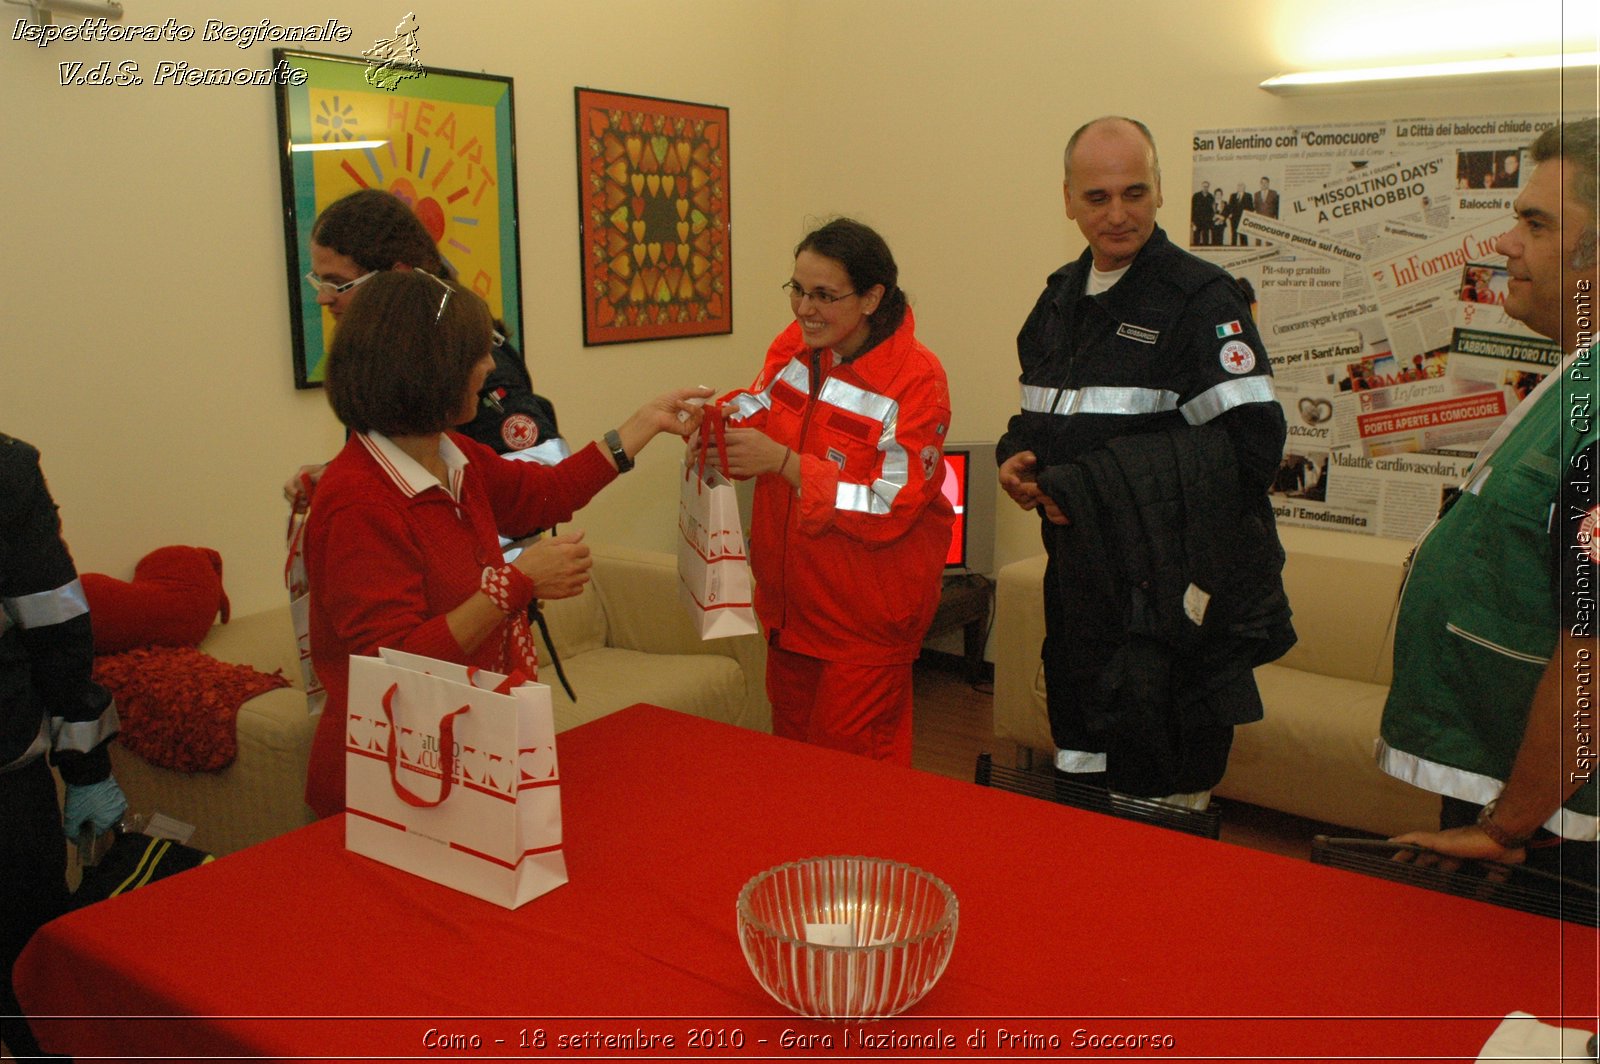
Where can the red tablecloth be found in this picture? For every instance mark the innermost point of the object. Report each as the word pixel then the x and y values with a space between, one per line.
pixel 1073 927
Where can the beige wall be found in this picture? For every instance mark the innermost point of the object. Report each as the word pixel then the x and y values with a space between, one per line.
pixel 146 337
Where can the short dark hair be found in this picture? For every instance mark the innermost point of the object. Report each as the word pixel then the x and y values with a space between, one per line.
pixel 377 229
pixel 867 261
pixel 398 365
pixel 1578 143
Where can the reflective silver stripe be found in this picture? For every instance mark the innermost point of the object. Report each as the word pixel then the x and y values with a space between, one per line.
pixel 1039 400
pixel 796 374
pixel 550 452
pixel 1120 401
pixel 878 497
pixel 1226 396
pixel 1099 400
pixel 747 405
pixel 1515 655
pixel 84 735
pixel 1080 761
pixel 44 608
pixel 1475 788
pixel 846 396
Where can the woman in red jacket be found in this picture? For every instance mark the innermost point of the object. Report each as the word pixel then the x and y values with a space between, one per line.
pixel 844 430
pixel 401 546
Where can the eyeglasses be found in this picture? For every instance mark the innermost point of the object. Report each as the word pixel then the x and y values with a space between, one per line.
pixel 495 337
pixel 818 296
pixel 334 288
pixel 444 300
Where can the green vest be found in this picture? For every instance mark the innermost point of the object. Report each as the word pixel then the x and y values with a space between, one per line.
pixel 1479 619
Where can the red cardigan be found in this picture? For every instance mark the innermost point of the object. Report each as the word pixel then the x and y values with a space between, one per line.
pixel 385 566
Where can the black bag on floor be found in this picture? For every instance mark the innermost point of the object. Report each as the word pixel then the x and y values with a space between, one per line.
pixel 133 860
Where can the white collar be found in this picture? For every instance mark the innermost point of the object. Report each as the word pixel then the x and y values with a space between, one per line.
pixel 407 473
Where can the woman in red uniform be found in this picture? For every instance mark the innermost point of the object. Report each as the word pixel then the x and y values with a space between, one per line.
pixel 401 547
pixel 844 430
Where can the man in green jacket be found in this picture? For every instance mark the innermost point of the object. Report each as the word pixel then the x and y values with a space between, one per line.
pixel 1496 658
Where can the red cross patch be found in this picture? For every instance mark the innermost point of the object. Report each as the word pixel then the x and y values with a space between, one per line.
pixel 1237 357
pixel 519 431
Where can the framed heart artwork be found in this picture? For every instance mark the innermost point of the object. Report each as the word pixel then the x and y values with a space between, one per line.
pixel 441 140
pixel 654 222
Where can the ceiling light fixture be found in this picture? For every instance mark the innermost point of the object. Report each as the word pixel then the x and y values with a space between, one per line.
pixel 1373 77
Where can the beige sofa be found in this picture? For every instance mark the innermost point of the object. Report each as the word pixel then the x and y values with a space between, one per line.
pixel 1312 754
pixel 626 639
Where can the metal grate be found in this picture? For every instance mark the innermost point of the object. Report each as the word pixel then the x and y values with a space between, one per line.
pixel 1530 890
pixel 1207 823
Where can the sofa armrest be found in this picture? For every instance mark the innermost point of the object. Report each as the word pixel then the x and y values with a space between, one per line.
pixel 1019 709
pixel 638 591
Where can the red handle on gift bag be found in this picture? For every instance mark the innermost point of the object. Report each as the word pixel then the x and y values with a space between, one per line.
pixel 297 530
pixel 447 754
pixel 712 427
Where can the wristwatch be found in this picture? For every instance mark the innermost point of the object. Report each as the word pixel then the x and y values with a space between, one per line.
pixel 1501 837
pixel 614 441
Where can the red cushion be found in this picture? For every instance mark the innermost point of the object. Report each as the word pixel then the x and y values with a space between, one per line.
pixel 175 595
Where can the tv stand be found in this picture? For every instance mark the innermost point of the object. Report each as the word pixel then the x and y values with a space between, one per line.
pixel 966 602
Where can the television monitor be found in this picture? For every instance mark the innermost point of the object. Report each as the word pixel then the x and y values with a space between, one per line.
pixel 970 483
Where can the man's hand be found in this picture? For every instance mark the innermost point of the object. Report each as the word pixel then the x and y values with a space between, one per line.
pixel 557 565
pixel 1450 847
pixel 1019 477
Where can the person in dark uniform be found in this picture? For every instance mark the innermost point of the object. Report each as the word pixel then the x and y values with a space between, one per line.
pixel 1137 350
pixel 52 713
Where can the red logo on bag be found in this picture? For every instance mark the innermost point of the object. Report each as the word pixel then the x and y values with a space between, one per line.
pixel 519 431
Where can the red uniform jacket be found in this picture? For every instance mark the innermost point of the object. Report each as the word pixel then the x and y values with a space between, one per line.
pixel 850 570
pixel 385 565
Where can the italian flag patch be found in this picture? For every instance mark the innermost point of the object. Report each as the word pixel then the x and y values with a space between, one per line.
pixel 1231 328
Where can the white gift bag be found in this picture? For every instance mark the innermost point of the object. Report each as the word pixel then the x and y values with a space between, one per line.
pixel 452 775
pixel 294 577
pixel 713 571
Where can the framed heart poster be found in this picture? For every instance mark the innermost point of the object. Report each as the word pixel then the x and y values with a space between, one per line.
pixel 653 218
pixel 441 140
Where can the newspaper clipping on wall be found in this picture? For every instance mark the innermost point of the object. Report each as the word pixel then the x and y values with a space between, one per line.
pixel 1369 252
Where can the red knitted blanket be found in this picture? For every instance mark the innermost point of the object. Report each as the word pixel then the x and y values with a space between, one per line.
pixel 179 706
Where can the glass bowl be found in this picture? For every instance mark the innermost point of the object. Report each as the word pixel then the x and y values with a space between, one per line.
pixel 896 923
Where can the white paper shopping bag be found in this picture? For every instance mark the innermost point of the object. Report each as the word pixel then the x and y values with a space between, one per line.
pixel 452 775
pixel 713 571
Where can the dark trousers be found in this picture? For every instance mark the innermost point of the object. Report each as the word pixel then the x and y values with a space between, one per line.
pixel 33 885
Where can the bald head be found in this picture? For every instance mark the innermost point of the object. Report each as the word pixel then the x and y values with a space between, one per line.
pixel 1113 188
pixel 1112 126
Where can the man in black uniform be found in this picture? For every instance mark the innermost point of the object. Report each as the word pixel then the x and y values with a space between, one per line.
pixel 1148 437
pixel 51 712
